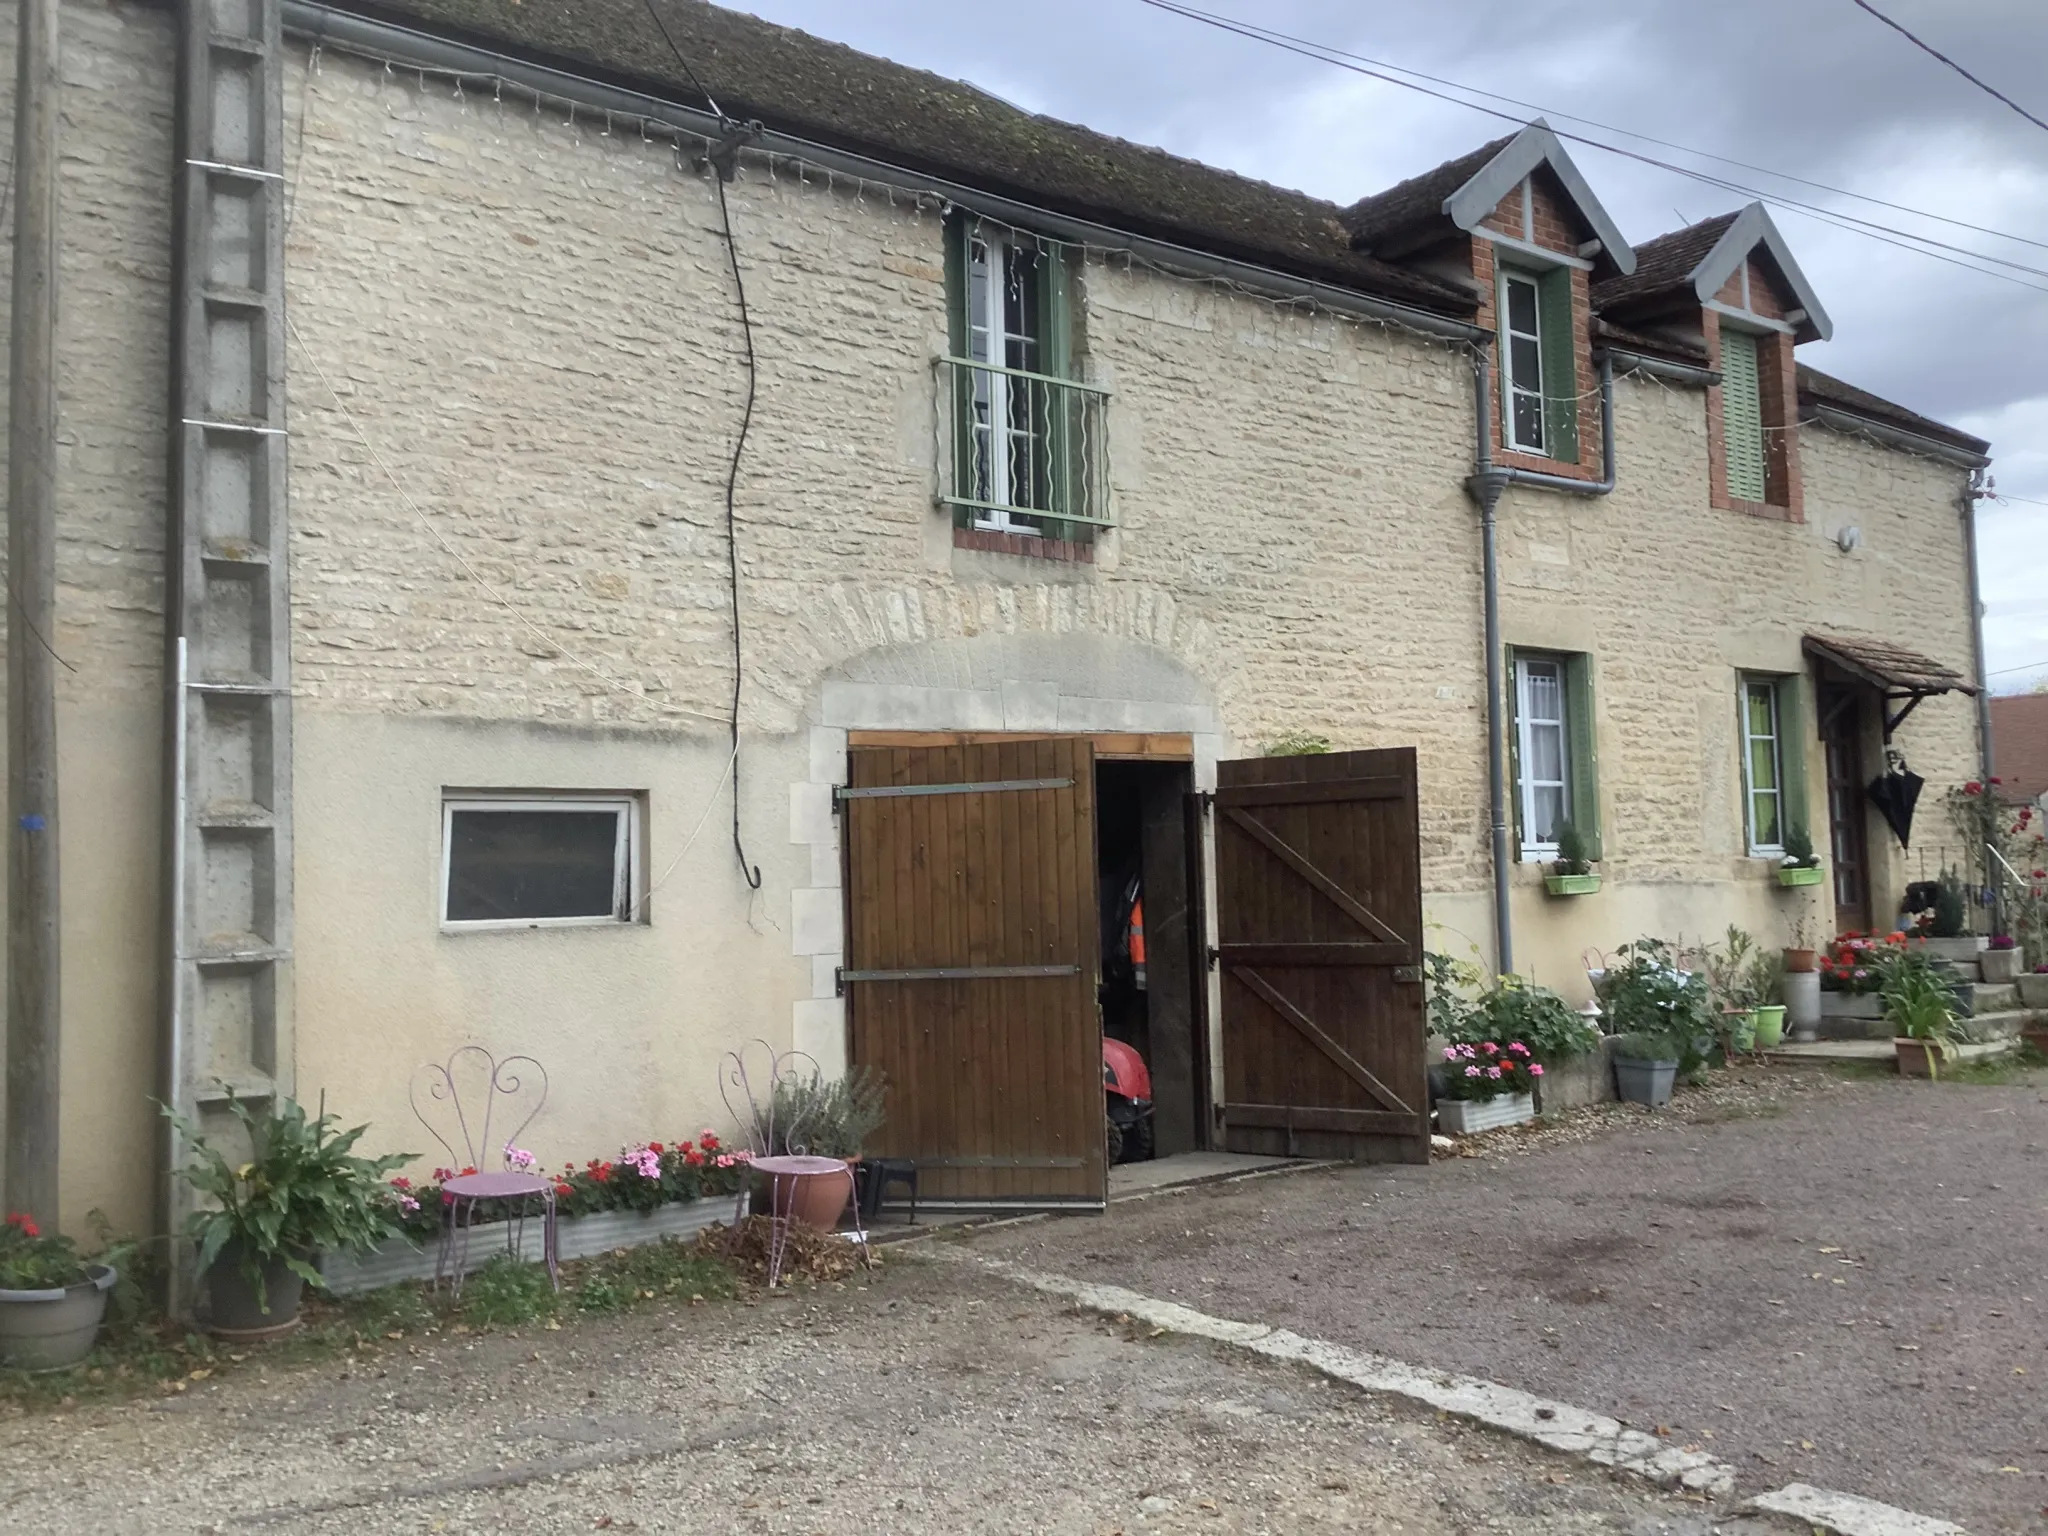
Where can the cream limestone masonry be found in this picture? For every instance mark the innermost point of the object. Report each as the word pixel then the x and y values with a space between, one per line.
pixel 532 322
pixel 113 361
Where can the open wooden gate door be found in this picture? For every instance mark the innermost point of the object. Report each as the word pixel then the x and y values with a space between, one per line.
pixel 971 959
pixel 1319 918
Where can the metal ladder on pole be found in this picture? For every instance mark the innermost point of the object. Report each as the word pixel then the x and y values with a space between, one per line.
pixel 228 882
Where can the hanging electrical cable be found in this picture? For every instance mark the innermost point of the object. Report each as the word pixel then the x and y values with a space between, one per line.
pixel 723 160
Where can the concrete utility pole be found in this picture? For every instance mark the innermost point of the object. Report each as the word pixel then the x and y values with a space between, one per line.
pixel 33 1036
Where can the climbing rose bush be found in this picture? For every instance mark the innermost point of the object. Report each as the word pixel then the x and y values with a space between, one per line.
pixel 1486 1070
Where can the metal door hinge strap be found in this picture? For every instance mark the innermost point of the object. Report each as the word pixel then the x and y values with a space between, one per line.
pixel 988 787
pixel 959 973
pixel 233 426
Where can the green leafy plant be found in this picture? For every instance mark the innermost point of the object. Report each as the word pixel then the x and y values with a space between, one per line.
pixel 1951 907
pixel 1572 857
pixel 1448 1002
pixel 829 1117
pixel 508 1292
pixel 1519 1010
pixel 1298 744
pixel 1646 991
pixel 1920 1004
pixel 29 1261
pixel 303 1191
pixel 1799 852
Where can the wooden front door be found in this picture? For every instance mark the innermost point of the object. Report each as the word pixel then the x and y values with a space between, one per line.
pixel 971 965
pixel 1841 735
pixel 1319 919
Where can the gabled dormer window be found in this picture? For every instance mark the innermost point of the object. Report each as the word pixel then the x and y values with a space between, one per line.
pixel 1538 362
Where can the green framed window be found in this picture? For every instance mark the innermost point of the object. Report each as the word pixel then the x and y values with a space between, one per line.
pixel 1539 372
pixel 1551 747
pixel 1029 450
pixel 1772 738
pixel 1742 415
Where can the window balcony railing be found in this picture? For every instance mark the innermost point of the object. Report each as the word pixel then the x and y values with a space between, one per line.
pixel 1023 452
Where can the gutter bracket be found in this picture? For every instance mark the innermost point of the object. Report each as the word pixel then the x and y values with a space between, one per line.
pixel 724 155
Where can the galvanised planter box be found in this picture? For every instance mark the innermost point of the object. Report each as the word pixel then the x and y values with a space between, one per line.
pixel 1468 1117
pixel 577 1237
pixel 1800 875
pixel 1851 1005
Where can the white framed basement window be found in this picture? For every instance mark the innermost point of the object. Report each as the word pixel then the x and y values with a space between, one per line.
pixel 1763 768
pixel 521 859
pixel 1544 752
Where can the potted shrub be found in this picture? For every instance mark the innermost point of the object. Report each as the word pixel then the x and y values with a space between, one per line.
pixel 1645 991
pixel 1572 873
pixel 1734 984
pixel 1948 935
pixel 51 1299
pixel 302 1192
pixel 826 1120
pixel 1767 986
pixel 1645 1067
pixel 1487 1085
pixel 2000 961
pixel 1920 1007
pixel 1800 865
pixel 1800 956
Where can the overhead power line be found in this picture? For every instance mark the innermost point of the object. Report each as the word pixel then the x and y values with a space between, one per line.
pixel 1989 90
pixel 1905 239
pixel 1633 133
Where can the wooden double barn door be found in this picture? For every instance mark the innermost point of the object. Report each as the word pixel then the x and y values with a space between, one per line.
pixel 1319 923
pixel 973 954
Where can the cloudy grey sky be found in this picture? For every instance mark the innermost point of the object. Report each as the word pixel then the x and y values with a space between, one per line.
pixel 1816 88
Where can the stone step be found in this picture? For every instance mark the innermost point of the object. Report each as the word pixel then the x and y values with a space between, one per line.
pixel 1994 998
pixel 1877 1050
pixel 2004 1025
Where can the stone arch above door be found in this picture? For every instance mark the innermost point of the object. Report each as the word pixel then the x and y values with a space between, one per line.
pixel 1067 682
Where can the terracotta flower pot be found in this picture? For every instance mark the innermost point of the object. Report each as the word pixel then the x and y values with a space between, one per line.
pixel 1916 1057
pixel 818 1195
pixel 1800 961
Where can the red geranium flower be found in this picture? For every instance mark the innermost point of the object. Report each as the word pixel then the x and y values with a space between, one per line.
pixel 710 1142
pixel 654 1146
pixel 24 1224
pixel 562 1189
pixel 694 1159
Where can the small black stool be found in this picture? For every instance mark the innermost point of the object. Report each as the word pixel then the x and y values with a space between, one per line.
pixel 876 1175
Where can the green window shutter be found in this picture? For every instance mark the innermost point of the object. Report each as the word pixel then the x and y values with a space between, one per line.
pixel 959 475
pixel 1560 365
pixel 1792 728
pixel 1585 756
pixel 1742 416
pixel 1514 724
pixel 1056 353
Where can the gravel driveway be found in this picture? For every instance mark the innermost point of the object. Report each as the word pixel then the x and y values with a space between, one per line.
pixel 1841 1283
pixel 941 1400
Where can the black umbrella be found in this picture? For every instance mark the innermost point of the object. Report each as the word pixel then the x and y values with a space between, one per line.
pixel 1895 792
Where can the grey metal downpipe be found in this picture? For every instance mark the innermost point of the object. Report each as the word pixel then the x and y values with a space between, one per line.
pixel 1485 485
pixel 1988 762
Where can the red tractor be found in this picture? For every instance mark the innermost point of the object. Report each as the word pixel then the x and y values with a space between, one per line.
pixel 1127 1088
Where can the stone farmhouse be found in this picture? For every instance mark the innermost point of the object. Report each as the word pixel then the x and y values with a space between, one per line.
pixel 535 492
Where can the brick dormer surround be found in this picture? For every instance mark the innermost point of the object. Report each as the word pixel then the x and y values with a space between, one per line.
pixel 1752 290
pixel 1541 217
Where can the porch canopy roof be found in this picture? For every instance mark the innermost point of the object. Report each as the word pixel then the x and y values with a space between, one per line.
pixel 1904 677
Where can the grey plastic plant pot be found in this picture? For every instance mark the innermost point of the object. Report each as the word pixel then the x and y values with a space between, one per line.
pixel 49 1330
pixel 237 1313
pixel 1644 1082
